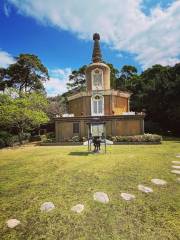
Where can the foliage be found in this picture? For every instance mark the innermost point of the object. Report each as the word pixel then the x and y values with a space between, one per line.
pixel 57 106
pixel 50 135
pixel 77 80
pixel 113 75
pixel 127 77
pixel 27 74
pixel 153 138
pixel 37 138
pixel 155 91
pixel 8 140
pixel 2 143
pixel 76 139
pixel 24 112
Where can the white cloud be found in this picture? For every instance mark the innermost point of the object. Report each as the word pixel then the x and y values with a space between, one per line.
pixel 58 80
pixel 5 59
pixel 7 10
pixel 122 24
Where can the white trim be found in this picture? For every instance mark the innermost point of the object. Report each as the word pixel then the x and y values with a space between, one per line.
pixel 105 93
pixel 92 79
pixel 92 105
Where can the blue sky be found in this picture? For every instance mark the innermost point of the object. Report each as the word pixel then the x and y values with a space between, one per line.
pixel 134 32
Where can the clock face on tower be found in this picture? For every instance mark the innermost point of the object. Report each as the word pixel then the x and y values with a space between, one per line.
pixel 97 79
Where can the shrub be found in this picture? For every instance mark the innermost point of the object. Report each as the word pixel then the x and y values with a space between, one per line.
pixel 2 143
pixel 7 138
pixel 38 138
pixel 52 140
pixel 50 135
pixel 25 136
pixel 76 139
pixel 138 138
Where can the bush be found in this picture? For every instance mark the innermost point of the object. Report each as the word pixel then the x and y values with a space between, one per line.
pixel 25 136
pixel 50 135
pixel 37 138
pixel 52 140
pixel 2 143
pixel 138 138
pixel 7 138
pixel 75 139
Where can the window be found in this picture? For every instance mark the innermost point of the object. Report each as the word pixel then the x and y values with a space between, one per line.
pixel 97 105
pixel 75 127
pixel 97 78
pixel 97 129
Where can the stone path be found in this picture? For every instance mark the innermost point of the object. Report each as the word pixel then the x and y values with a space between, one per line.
pixel 101 197
pixel 47 207
pixel 176 167
pixel 158 181
pixel 176 171
pixel 127 196
pixel 144 189
pixel 78 208
pixel 176 162
pixel 12 223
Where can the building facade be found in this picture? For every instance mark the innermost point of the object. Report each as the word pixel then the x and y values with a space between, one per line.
pixel 99 109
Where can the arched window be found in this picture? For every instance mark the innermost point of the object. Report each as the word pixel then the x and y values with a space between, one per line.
pixel 97 79
pixel 97 105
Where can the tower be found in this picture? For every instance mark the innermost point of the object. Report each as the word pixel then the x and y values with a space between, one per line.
pixel 97 73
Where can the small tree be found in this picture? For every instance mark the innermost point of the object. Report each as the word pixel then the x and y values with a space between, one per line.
pixel 24 113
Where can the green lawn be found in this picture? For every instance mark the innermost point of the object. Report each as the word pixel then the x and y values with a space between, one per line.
pixel 67 176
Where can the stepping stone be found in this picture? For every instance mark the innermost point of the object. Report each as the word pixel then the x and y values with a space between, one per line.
pixel 12 223
pixel 47 207
pixel 101 197
pixel 158 181
pixel 78 208
pixel 127 196
pixel 176 167
pixel 176 162
pixel 178 156
pixel 144 189
pixel 178 179
pixel 176 171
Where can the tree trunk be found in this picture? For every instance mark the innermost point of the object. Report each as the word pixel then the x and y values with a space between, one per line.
pixel 20 132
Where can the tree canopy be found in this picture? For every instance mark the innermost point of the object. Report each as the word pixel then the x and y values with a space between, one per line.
pixel 23 112
pixel 27 74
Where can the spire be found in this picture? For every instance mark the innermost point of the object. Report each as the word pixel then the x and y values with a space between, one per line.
pixel 96 57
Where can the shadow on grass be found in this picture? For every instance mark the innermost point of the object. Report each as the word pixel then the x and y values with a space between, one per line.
pixel 174 139
pixel 85 153
pixel 79 153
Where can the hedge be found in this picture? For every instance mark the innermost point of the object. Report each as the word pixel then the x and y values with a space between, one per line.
pixel 154 138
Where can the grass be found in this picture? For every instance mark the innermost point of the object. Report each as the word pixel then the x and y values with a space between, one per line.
pixel 67 176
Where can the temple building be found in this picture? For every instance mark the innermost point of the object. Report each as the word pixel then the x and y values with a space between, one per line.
pixel 99 109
